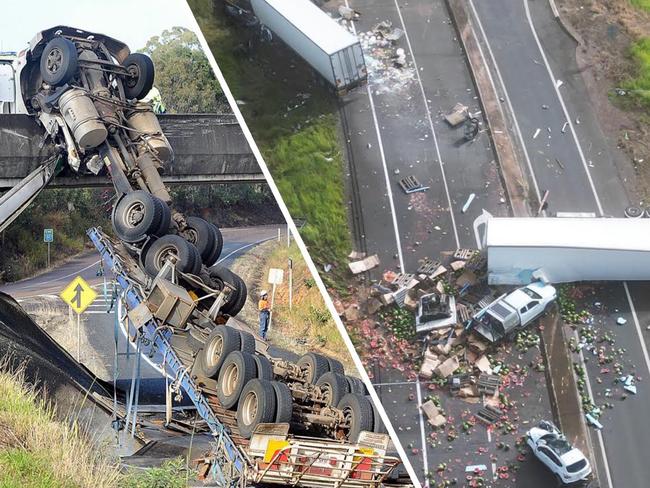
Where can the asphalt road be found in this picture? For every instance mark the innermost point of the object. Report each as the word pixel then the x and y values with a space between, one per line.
pixel 531 53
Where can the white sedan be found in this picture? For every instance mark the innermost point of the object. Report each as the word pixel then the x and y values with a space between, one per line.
pixel 551 447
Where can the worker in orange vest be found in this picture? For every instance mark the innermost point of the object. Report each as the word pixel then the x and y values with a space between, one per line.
pixel 265 313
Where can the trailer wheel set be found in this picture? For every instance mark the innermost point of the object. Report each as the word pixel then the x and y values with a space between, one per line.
pixel 313 393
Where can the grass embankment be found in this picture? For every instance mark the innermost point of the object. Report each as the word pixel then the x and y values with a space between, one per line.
pixel 37 450
pixel 308 326
pixel 294 122
pixel 639 85
pixel 642 4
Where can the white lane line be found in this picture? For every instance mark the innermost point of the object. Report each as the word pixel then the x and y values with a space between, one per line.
pixel 244 247
pixel 566 112
pixel 433 132
pixel 422 436
pixel 599 434
pixel 637 326
pixel 35 281
pixel 506 96
pixel 385 167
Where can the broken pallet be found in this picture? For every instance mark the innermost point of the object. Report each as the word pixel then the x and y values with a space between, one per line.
pixel 464 254
pixel 489 415
pixel 411 184
pixel 488 384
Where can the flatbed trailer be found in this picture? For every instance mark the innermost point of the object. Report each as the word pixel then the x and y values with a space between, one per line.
pixel 272 456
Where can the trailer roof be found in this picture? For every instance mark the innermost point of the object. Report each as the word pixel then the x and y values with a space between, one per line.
pixel 315 24
pixel 585 233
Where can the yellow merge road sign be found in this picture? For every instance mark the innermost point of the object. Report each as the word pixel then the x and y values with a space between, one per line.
pixel 78 294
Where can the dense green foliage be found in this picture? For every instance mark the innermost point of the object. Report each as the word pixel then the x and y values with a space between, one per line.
pixel 294 122
pixel 639 85
pixel 642 4
pixel 183 73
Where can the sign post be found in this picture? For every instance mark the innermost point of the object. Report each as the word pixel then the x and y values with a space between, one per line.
pixel 48 237
pixel 276 276
pixel 79 295
pixel 290 283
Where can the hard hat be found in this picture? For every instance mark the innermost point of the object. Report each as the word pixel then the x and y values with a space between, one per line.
pixel 264 293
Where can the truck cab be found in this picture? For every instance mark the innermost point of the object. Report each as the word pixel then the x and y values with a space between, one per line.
pixel 514 311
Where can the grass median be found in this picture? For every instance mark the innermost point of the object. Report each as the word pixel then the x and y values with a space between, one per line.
pixel 639 84
pixel 294 121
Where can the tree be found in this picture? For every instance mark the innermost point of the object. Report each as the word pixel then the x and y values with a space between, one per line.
pixel 183 74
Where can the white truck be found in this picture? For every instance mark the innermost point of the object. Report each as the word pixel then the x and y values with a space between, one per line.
pixel 513 312
pixel 328 48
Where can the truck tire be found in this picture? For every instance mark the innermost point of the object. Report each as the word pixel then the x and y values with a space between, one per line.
pixel 257 405
pixel 335 365
pixel 633 212
pixel 377 424
pixel 357 411
pixel 59 61
pixel 141 74
pixel 334 387
pixel 242 294
pixel 222 341
pixel 136 215
pixel 165 220
pixel 247 342
pixel 216 250
pixel 264 368
pixel 284 402
pixel 195 339
pixel 237 370
pixel 200 233
pixel 157 253
pixel 314 365
pixel 356 385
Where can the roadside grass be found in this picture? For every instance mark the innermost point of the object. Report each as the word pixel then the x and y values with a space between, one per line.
pixel 295 124
pixel 40 450
pixel 639 85
pixel 37 450
pixel 642 4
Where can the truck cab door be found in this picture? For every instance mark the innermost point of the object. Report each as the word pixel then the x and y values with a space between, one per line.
pixel 7 88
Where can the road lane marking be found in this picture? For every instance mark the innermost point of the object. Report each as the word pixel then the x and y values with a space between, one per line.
pixel 58 278
pixel 599 434
pixel 422 435
pixel 244 247
pixel 506 96
pixel 564 108
pixel 433 132
pixel 384 165
pixel 637 325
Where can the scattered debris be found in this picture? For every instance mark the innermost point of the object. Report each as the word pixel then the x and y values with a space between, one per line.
pixel 621 321
pixel 364 265
pixel 469 201
pixel 458 114
pixel 411 184
pixel 348 13
pixel 536 133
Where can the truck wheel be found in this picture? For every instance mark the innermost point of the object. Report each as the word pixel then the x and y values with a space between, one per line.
pixel 334 387
pixel 264 367
pixel 200 233
pixel 237 370
pixel 357 412
pixel 218 247
pixel 633 212
pixel 256 406
pixel 222 341
pixel 136 216
pixel 284 402
pixel 335 365
pixel 165 220
pixel 247 342
pixel 242 294
pixel 160 250
pixel 141 74
pixel 377 424
pixel 314 365
pixel 59 61
pixel 356 385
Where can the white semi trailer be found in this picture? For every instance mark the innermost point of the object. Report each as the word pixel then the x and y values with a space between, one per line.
pixel 328 48
pixel 560 250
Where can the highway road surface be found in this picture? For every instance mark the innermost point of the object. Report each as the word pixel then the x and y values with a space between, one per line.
pixel 397 132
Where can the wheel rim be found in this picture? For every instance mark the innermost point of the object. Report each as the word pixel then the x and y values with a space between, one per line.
pixel 192 235
pixel 249 408
pixel 348 416
pixel 230 379
pixel 54 61
pixel 328 395
pixel 308 372
pixel 215 350
pixel 134 74
pixel 133 215
pixel 162 255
